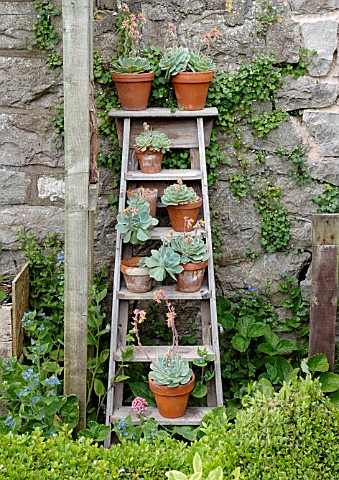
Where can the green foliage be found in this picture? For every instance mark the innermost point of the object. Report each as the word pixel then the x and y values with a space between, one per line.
pixel 274 223
pixel 328 200
pixel 192 248
pixel 199 62
pixel 59 127
pixel 45 36
pixel 295 157
pixel 216 474
pixel 290 435
pixel 175 60
pixel 268 16
pixel 250 341
pixel 162 261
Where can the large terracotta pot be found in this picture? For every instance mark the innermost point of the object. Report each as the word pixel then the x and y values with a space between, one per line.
pixel 190 279
pixel 150 195
pixel 191 89
pixel 133 89
pixel 172 401
pixel 149 161
pixel 137 278
pixel 178 212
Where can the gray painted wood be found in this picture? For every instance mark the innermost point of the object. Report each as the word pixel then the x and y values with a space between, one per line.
pixel 193 416
pixel 77 19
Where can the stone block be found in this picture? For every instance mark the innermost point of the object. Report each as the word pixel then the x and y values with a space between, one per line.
pixel 41 220
pixel 16 25
pixel 51 188
pixel 313 6
pixel 23 141
pixel 305 92
pixel 28 83
pixel 325 169
pixel 285 136
pixel 14 186
pixel 321 36
pixel 325 128
pixel 283 39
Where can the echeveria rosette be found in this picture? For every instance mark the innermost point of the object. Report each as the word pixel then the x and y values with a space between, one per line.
pixel 162 261
pixel 192 249
pixel 179 194
pixel 131 65
pixel 170 371
pixel 152 140
pixel 134 221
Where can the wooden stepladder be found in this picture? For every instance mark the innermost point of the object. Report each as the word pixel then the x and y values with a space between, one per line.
pixel 185 129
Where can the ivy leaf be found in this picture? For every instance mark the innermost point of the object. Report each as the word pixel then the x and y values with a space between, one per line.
pixel 70 411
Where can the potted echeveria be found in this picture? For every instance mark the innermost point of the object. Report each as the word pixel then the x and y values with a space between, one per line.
pixel 149 194
pixel 194 254
pixel 181 202
pixel 150 147
pixel 171 379
pixel 132 73
pixel 190 70
pixel 134 224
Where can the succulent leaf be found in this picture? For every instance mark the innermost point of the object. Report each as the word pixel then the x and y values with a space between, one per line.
pixel 170 371
pixel 175 60
pixel 178 194
pixel 198 62
pixel 192 249
pixel 131 65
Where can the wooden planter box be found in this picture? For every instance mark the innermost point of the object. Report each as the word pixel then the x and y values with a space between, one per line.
pixel 11 333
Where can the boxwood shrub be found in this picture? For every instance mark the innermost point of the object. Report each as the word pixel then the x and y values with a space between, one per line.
pixel 293 435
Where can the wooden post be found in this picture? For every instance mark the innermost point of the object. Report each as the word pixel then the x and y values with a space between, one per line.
pixel 76 41
pixel 324 296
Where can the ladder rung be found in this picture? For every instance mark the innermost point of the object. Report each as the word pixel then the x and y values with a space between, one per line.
pixel 158 232
pixel 193 416
pixel 165 113
pixel 171 292
pixel 169 175
pixel 187 352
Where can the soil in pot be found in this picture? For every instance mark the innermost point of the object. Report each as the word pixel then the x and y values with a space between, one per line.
pixel 191 89
pixel 178 212
pixel 133 89
pixel 150 195
pixel 172 401
pixel 137 278
pixel 190 279
pixel 149 161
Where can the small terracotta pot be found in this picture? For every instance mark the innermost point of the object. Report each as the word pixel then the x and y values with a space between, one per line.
pixel 133 89
pixel 149 161
pixel 137 278
pixel 191 89
pixel 150 195
pixel 172 401
pixel 178 212
pixel 190 279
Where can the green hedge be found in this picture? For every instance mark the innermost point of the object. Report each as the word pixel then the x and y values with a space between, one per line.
pixel 294 435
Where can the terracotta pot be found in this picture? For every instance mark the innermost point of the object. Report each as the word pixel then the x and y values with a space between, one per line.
pixel 137 278
pixel 150 195
pixel 149 161
pixel 178 212
pixel 172 401
pixel 191 89
pixel 190 279
pixel 133 89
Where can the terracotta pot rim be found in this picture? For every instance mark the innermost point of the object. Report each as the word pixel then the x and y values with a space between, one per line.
pixel 132 77
pixel 193 77
pixel 147 151
pixel 129 266
pixel 194 266
pixel 188 205
pixel 166 391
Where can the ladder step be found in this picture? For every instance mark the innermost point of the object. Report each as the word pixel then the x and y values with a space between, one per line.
pixel 188 353
pixel 193 416
pixel 167 175
pixel 171 292
pixel 158 232
pixel 164 112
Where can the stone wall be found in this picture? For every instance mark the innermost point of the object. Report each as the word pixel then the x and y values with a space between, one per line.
pixel 32 190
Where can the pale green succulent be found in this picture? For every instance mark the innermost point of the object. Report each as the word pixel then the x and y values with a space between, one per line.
pixel 198 62
pixel 178 194
pixel 175 60
pixel 170 371
pixel 191 248
pixel 162 261
pixel 131 65
pixel 152 140
pixel 134 222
